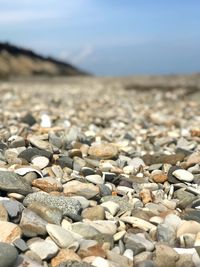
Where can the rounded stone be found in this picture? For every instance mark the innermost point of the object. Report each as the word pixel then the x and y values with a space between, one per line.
pixel 183 175
pixel 103 151
pixel 8 255
pixel 94 213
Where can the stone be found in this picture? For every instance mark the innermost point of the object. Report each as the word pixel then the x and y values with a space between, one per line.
pixel 173 220
pixel 84 229
pixel 32 152
pixel 119 259
pixel 49 214
pixel 95 179
pixel 103 151
pixel 146 196
pixel 40 161
pixel 193 159
pixel 45 249
pixel 32 224
pixel 166 233
pixel 9 232
pixel 29 119
pixel 165 256
pixel 140 223
pixel 70 207
pixel 3 213
pixel 134 245
pixel 12 182
pixel 14 209
pixel 8 255
pixel 142 257
pixel 60 236
pixel 47 184
pixel 65 161
pixel 158 176
pixel 183 175
pixel 123 203
pixel 90 248
pixel 93 213
pixel 24 260
pixel 111 206
pixel 86 190
pixel 20 244
pixel 99 262
pixel 190 227
pixel 66 258
pixel 105 227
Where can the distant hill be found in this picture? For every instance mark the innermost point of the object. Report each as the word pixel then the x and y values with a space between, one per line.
pixel 17 61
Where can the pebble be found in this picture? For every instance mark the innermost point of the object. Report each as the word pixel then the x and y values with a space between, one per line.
pixel 66 257
pixel 11 182
pixel 103 151
pixel 60 236
pixel 47 184
pixel 93 213
pixel 8 255
pixel 70 207
pixel 188 227
pixel 111 206
pixel 45 249
pixel 3 213
pixel 81 189
pixel 40 161
pixel 9 232
pixel 183 175
pixel 95 179
pixel 31 224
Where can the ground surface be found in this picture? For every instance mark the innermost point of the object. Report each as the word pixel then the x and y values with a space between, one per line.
pixel 100 171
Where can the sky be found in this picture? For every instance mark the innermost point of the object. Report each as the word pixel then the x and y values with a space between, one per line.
pixel 108 37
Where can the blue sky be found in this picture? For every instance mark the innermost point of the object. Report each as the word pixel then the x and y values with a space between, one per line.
pixel 109 37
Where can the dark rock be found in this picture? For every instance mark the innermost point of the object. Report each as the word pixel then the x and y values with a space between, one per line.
pixel 29 153
pixel 65 161
pixel 29 119
pixel 12 182
pixel 21 244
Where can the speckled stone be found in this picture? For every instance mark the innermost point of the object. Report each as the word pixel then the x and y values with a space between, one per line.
pixel 8 255
pixel 70 207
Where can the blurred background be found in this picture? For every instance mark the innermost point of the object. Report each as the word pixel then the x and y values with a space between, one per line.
pixel 108 37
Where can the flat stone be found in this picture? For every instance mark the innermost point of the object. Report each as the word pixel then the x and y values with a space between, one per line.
pixel 84 229
pixel 51 215
pixel 95 179
pixel 9 232
pixel 60 236
pixel 86 190
pixel 111 206
pixel 134 245
pixel 32 224
pixel 8 255
pixel 12 182
pixel 99 262
pixel 39 143
pixel 193 159
pixel 40 161
pixel 140 223
pixel 105 227
pixel 191 215
pixel 20 244
pixel 70 207
pixel 45 249
pixel 103 151
pixel 183 175
pixel 47 184
pixel 93 213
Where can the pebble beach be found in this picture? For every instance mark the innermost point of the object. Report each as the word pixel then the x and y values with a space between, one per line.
pixel 100 172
